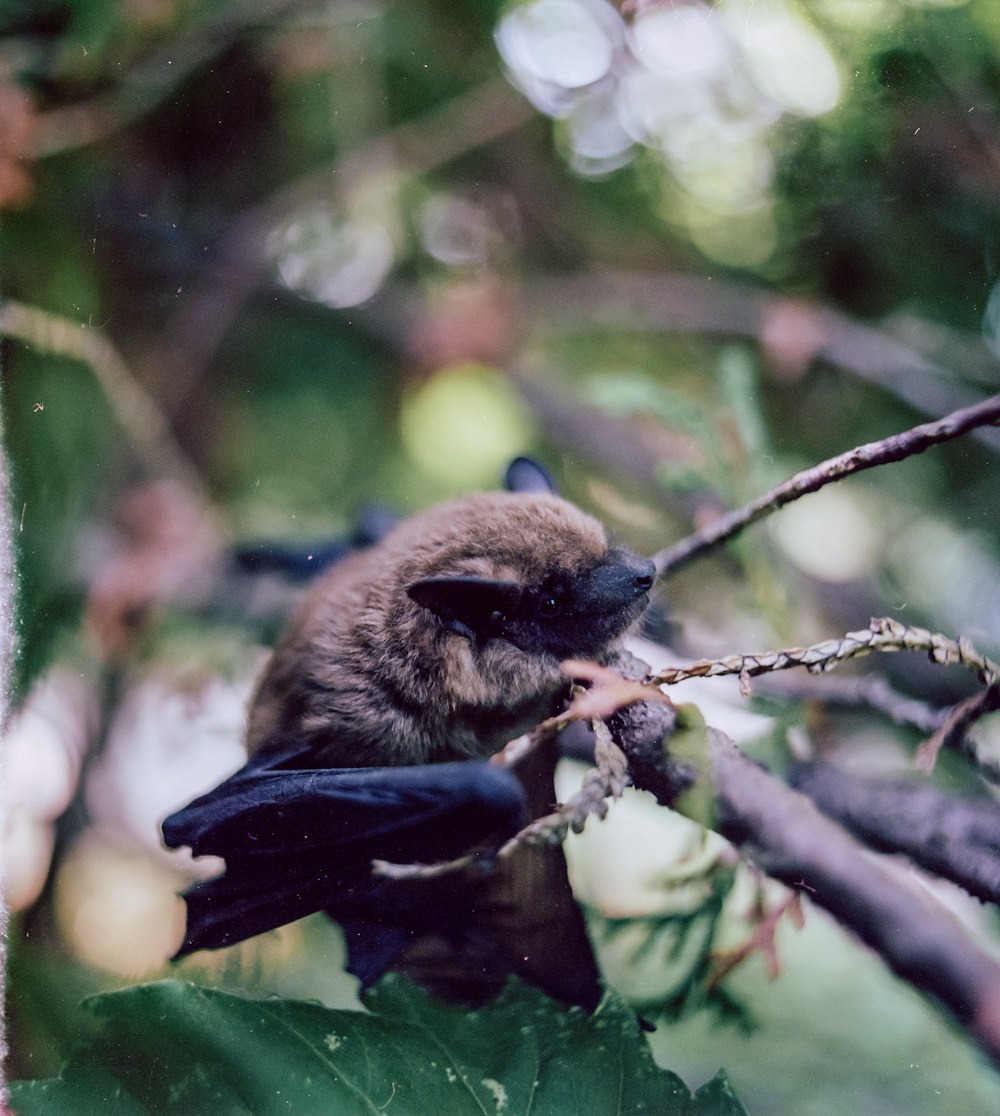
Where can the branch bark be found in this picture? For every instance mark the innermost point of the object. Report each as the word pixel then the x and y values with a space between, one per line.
pixel 153 439
pixel 957 839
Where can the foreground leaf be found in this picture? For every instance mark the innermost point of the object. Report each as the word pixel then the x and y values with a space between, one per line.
pixel 170 1048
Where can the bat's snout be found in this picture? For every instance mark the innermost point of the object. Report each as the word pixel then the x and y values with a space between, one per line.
pixel 644 576
pixel 620 581
pixel 632 576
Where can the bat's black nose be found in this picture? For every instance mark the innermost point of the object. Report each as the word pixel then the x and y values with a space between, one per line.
pixel 645 576
pixel 618 582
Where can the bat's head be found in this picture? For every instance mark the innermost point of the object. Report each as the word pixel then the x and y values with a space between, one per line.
pixel 533 571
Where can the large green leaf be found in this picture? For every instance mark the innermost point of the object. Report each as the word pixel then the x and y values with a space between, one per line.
pixel 172 1047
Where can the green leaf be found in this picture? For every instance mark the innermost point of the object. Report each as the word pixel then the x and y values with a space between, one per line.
pixel 172 1047
pixel 717 1098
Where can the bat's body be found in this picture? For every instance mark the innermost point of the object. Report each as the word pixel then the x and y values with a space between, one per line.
pixel 444 641
pixel 437 645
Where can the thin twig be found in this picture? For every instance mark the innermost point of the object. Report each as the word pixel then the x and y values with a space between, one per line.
pixel 883 635
pixel 897 447
pixel 762 939
pixel 955 724
pixel 150 81
pixel 606 779
pixel 137 411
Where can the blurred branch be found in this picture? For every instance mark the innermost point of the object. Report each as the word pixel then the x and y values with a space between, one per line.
pixel 710 306
pixel 945 727
pixel 868 691
pixel 634 449
pixel 7 586
pixel 955 725
pixel 135 409
pixel 142 88
pixel 940 342
pixel 466 122
pixel 896 447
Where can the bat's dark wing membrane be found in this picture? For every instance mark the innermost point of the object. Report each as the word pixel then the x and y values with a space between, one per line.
pixel 298 840
pixel 300 562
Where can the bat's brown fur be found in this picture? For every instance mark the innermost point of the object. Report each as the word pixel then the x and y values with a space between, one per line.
pixel 373 678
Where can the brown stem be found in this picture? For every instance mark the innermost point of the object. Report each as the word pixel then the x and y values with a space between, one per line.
pixel 955 724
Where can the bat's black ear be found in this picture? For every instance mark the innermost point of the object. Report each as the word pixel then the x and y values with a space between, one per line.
pixel 524 474
pixel 474 607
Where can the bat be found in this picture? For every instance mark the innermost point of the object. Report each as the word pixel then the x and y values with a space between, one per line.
pixel 407 664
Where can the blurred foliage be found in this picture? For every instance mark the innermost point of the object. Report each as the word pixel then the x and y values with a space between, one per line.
pixel 358 252
pixel 677 947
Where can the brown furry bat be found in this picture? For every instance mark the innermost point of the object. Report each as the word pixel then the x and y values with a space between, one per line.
pixel 440 643
pixel 444 641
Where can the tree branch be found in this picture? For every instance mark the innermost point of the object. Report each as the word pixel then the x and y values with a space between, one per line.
pixel 956 723
pixel 955 838
pixel 883 634
pixel 139 414
pixel 710 306
pixel 865 691
pixel 896 447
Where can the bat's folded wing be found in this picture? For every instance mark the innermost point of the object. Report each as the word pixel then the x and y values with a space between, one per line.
pixel 298 840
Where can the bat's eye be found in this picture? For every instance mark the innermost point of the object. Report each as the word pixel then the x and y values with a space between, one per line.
pixel 549 605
